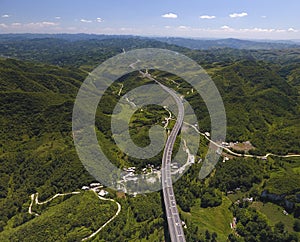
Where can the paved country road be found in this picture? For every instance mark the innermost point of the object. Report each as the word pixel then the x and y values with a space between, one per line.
pixel 238 154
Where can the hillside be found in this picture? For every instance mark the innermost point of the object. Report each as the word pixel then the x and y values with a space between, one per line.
pixel 229 43
pixel 38 86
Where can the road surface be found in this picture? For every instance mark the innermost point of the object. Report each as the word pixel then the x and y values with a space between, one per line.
pixel 238 154
pixel 174 222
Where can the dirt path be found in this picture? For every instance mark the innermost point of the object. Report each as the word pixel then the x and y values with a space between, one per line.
pixel 111 219
pixel 55 196
pixel 167 120
pixel 35 201
pixel 31 204
pixel 120 91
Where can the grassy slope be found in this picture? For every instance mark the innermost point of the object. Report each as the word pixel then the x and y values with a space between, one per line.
pixel 286 179
pixel 215 219
pixel 274 214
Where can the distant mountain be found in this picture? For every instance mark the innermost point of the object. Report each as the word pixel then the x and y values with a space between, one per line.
pixel 229 43
pixel 69 37
pixel 201 44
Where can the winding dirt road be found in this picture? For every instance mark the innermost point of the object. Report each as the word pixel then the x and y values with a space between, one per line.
pixel 35 201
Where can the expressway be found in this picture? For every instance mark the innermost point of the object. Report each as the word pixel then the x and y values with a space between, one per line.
pixel 174 222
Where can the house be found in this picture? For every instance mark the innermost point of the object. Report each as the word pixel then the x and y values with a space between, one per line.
pixel 102 193
pixel 219 151
pixel 233 224
pixel 225 144
pixel 132 178
pixel 95 184
pixel 225 159
pixel 192 159
pixel 248 199
pixel 131 169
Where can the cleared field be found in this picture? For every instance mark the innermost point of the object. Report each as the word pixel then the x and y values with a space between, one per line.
pixel 215 219
pixel 274 214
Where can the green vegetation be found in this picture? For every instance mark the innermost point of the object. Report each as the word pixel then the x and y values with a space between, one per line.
pixel 141 219
pixel 68 220
pixel 284 179
pixel 252 226
pixel 211 198
pixel 296 226
pixel 260 89
pixel 238 173
pixel 216 219
pixel 274 214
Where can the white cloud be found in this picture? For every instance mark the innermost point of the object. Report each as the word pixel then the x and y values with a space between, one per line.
pixel 3 26
pixel 170 15
pixel 57 17
pixel 16 24
pixel 264 16
pixel 85 21
pixel 42 24
pixel 183 27
pixel 227 28
pixel 5 16
pixel 125 29
pixel 207 17
pixel 167 27
pixel 49 23
pixel 238 15
pixel 262 30
pixel 258 30
pixel 99 20
pixel 293 30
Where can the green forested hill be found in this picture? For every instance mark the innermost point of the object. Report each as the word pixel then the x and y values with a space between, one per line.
pixel 31 77
pixel 261 105
pixel 36 149
pixel 38 86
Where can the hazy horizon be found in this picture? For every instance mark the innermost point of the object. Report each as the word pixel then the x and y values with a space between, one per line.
pixel 210 19
pixel 163 36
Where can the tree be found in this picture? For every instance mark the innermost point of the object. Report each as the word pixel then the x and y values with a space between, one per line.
pixel 207 235
pixel 297 225
pixel 2 224
pixel 214 236
pixel 211 198
pixel 279 227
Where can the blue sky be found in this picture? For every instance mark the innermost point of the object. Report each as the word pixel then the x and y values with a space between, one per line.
pixel 248 19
